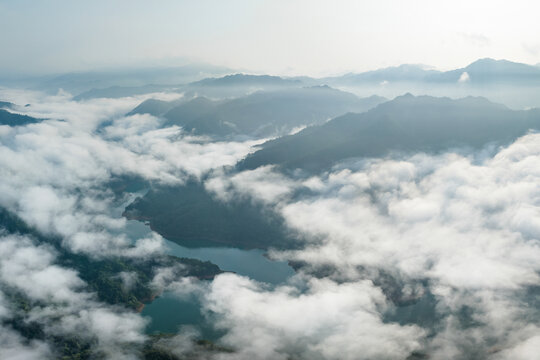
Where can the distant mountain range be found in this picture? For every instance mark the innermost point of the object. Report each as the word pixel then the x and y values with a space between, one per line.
pixel 156 107
pixel 123 91
pixel 405 124
pixel 479 72
pixel 246 80
pixel 216 87
pixel 486 71
pixel 239 85
pixel 265 113
pixel 400 73
pixel 78 83
pixel 499 80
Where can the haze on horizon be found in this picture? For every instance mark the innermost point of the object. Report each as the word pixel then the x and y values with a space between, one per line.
pixel 299 37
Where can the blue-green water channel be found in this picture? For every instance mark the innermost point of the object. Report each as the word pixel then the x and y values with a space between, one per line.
pixel 168 312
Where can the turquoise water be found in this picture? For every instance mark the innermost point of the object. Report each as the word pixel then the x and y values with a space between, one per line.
pixel 169 311
pixel 251 263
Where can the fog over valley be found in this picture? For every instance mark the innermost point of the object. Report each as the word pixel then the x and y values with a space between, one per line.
pixel 197 203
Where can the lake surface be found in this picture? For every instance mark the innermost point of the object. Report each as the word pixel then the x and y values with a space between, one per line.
pixel 168 312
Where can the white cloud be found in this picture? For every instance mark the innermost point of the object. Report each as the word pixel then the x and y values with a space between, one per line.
pixel 64 307
pixel 464 77
pixel 30 269
pixel 14 347
pixel 52 173
pixel 468 226
pixel 525 350
pixel 262 184
pixel 117 333
pixel 326 321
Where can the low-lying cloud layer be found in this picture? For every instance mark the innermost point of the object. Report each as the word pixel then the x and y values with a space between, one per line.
pixel 463 229
pixel 435 255
pixel 62 307
pixel 54 172
pixel 55 176
pixel 326 320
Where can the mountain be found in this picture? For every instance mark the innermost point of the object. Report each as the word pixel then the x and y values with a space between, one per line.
pixel 190 216
pixel 123 91
pixel 227 86
pixel 100 276
pixel 514 84
pixel 237 85
pixel 12 119
pixel 485 71
pixel 246 80
pixel 191 116
pixel 156 107
pixel 402 73
pixel 266 113
pixel 405 124
pixel 80 82
pixel 182 109
pixel 481 71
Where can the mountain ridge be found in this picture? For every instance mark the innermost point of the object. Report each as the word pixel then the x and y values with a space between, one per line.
pixel 405 124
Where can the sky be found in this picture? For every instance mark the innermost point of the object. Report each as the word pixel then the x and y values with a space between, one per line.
pixel 283 37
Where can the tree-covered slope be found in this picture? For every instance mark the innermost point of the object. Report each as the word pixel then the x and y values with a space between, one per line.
pixel 267 113
pixel 405 124
pixel 189 215
pixel 12 119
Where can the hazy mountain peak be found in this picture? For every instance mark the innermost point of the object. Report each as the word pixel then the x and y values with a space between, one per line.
pixel 323 86
pixel 405 96
pixel 408 124
pixel 400 73
pixel 413 67
pixel 200 100
pixel 500 67
pixel 409 99
pixel 244 79
pixel 486 60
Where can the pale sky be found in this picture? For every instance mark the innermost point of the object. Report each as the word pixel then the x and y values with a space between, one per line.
pixel 284 37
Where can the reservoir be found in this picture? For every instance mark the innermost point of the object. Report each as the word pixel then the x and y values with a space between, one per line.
pixel 168 312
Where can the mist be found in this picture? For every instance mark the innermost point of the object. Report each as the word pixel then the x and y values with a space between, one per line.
pixel 269 180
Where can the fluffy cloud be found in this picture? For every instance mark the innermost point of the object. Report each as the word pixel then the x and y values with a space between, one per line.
pixel 62 306
pixel 54 175
pixel 464 226
pixel 14 347
pixel 262 184
pixel 464 77
pixel 324 321
pixel 29 269
pixel 387 235
pixel 119 334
